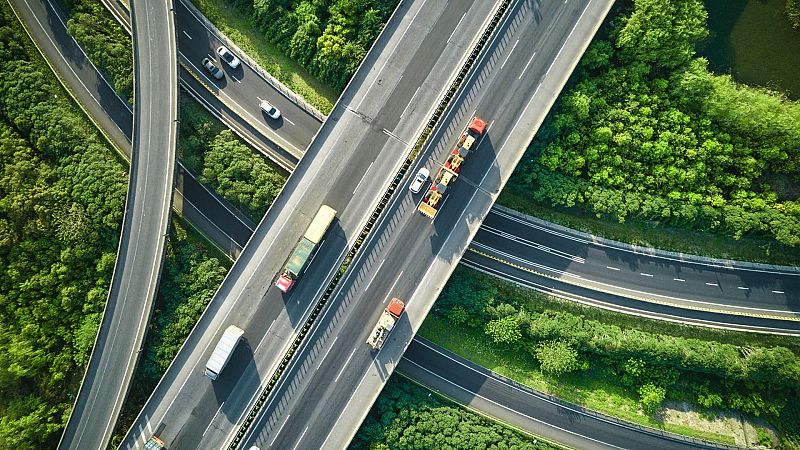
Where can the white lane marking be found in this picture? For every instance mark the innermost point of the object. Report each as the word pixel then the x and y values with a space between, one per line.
pixel 778 292
pixel 612 268
pixel 410 101
pixel 743 288
pixel 377 74
pixel 534 245
pixel 366 172
pixel 393 285
pixel 265 335
pixel 679 279
pixel 454 29
pixel 286 119
pixel 345 364
pixel 212 419
pixel 374 274
pixel 279 430
pixel 712 284
pixel 645 274
pixel 509 55
pixel 526 66
pixel 301 438
pixel 187 34
pixel 326 353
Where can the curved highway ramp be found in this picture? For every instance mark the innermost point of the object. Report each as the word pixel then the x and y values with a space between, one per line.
pixel 136 274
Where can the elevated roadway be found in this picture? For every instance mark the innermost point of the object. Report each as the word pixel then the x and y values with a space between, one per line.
pixel 136 273
pixel 334 377
pixel 353 158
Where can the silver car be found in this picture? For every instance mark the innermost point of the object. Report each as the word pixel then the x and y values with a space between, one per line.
pixel 270 110
pixel 229 58
pixel 419 180
pixel 215 71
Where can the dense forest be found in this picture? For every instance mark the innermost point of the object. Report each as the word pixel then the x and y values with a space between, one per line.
pixel 793 12
pixel 62 192
pixel 645 131
pixel 225 163
pixel 327 37
pixel 756 380
pixel 407 416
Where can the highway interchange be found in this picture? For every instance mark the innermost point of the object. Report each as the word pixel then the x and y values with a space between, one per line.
pixel 573 256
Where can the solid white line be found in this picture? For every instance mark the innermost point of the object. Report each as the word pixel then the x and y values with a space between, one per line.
pixel 612 268
pixel 301 438
pixel 326 353
pixel 645 274
pixel 212 419
pixel 410 101
pixel 526 66
pixel 345 364
pixel 278 433
pixel 712 284
pixel 679 279
pixel 509 55
pixel 374 274
pixel 778 292
pixel 366 172
pixel 187 34
pixel 454 29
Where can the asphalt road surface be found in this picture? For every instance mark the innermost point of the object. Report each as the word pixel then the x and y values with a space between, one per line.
pixel 147 213
pixel 334 377
pixel 353 158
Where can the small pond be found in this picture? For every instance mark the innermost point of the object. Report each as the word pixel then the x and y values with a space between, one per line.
pixel 753 41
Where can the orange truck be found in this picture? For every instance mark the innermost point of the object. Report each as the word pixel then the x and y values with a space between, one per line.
pixel 448 173
pixel 386 323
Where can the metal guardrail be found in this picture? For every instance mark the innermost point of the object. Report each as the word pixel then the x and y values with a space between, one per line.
pixel 435 117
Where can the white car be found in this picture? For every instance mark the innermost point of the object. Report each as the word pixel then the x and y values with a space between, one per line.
pixel 212 69
pixel 419 180
pixel 270 110
pixel 228 57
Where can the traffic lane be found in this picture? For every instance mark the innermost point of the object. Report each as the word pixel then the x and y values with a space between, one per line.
pixel 718 318
pixel 267 344
pixel 242 86
pixel 715 283
pixel 722 288
pixel 405 227
pixel 514 403
pixel 327 369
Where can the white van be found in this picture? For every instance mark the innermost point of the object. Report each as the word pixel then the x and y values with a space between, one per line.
pixel 223 351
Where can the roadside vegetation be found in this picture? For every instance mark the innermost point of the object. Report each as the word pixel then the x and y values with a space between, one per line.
pixel 407 416
pixel 106 43
pixel 62 191
pixel 224 162
pixel 646 133
pixel 328 39
pixel 793 12
pixel 620 365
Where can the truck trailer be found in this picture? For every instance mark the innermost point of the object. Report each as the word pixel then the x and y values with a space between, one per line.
pixel 223 351
pixel 448 173
pixel 386 323
pixel 304 249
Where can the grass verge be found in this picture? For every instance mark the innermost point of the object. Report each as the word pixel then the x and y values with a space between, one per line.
pixel 242 31
pixel 582 389
pixel 652 234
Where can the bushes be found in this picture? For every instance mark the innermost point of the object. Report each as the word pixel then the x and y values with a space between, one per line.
pixel 104 40
pixel 407 416
pixel 793 12
pixel 760 381
pixel 327 37
pixel 647 132
pixel 61 205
